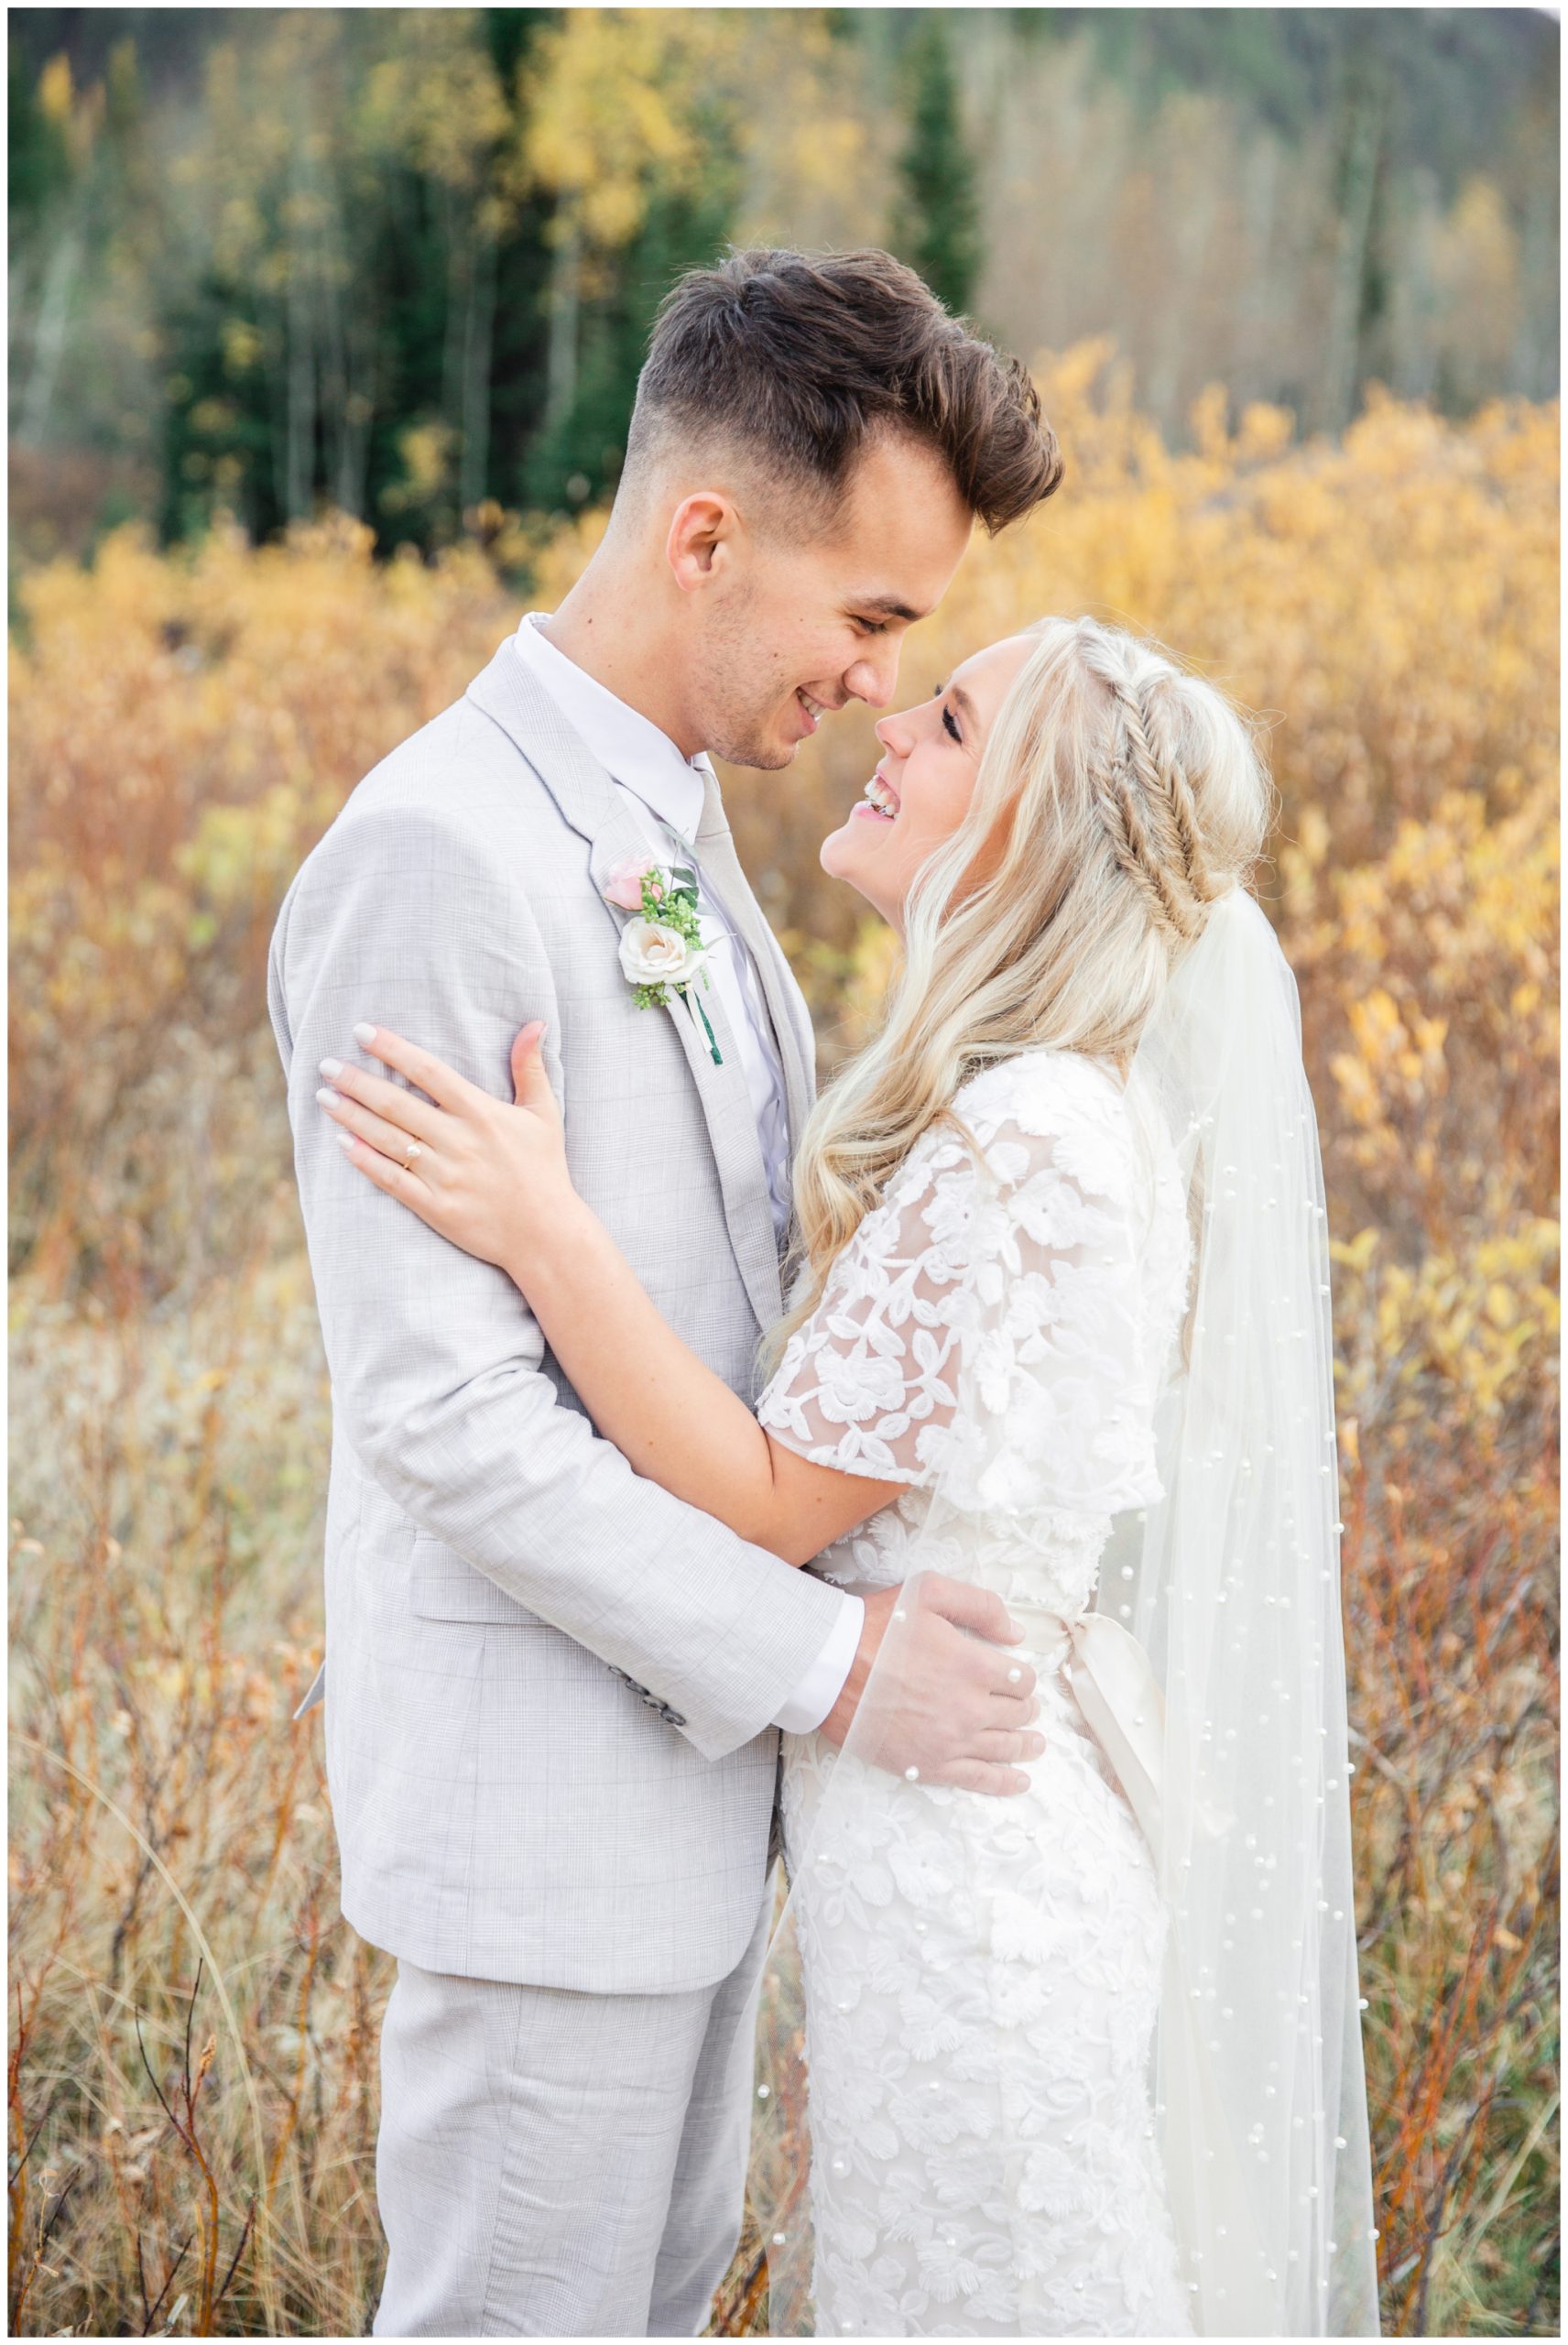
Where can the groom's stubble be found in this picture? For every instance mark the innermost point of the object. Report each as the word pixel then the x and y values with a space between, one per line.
pixel 785 616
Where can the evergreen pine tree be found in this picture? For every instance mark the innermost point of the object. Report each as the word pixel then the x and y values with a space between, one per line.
pixel 939 230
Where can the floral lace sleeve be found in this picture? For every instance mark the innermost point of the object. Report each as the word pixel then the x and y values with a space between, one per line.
pixel 988 1325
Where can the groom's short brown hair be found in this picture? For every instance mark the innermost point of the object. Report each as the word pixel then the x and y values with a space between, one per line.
pixel 799 358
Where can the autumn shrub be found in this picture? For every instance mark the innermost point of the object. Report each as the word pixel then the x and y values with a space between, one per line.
pixel 193 2027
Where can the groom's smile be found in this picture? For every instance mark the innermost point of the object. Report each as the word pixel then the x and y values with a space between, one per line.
pixel 815 711
pixel 786 622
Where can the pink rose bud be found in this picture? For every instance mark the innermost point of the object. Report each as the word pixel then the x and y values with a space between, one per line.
pixel 625 884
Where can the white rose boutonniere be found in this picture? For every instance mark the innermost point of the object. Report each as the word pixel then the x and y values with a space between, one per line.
pixel 662 952
pixel 654 956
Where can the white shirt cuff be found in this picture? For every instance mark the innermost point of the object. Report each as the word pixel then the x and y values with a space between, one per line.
pixel 822 1684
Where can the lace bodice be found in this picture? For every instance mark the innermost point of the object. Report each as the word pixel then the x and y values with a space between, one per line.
pixel 997 1330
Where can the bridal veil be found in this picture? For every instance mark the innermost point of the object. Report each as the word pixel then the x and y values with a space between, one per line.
pixel 1210 1673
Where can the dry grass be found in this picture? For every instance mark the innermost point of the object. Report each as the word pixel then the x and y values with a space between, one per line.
pixel 193 2081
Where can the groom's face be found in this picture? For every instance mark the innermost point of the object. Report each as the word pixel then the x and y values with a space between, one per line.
pixel 786 629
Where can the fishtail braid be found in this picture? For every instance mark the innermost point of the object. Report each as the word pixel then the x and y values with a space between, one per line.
pixel 1122 799
pixel 1146 800
pixel 1154 708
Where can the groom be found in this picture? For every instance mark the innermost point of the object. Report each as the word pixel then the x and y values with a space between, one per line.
pixel 555 1691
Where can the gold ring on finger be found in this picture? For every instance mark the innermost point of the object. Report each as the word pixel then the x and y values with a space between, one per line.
pixel 414 1149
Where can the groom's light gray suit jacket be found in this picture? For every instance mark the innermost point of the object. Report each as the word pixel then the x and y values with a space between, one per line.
pixel 508 1805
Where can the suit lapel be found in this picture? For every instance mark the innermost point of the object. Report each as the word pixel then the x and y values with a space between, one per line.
pixel 722 1088
pixel 588 801
pixel 791 1023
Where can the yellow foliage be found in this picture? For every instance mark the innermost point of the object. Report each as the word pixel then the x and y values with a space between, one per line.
pixel 241 345
pixel 613 112
pixel 182 729
pixel 55 91
pixel 437 98
pixel 183 725
pixel 628 104
pixel 425 449
pixel 1475 1317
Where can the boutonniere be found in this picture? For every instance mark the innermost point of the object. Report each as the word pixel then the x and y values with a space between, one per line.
pixel 662 952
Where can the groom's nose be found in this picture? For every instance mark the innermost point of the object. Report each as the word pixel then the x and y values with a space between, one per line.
pixel 873 679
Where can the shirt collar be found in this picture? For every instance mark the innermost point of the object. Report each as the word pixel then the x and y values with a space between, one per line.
pixel 629 746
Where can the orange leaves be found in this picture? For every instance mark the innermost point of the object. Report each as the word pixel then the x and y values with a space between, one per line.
pixel 184 727
pixel 1392 1058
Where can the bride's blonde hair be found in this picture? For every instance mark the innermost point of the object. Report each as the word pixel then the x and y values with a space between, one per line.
pixel 1117 797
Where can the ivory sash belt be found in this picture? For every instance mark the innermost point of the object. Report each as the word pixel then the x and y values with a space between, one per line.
pixel 1115 1687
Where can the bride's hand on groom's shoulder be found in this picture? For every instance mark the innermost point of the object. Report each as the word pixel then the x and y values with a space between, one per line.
pixel 491 1177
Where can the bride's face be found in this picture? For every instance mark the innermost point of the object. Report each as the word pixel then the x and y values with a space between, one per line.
pixel 920 792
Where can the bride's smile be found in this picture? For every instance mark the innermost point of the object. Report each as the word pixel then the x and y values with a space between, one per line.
pixel 922 787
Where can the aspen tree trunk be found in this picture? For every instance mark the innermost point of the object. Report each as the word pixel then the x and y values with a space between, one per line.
pixel 565 302
pixel 301 363
pixel 48 342
pixel 1536 343
pixel 459 285
pixel 1260 308
pixel 348 407
pixel 475 419
pixel 1173 341
pixel 1342 335
pixel 335 426
pixel 301 397
pixel 359 410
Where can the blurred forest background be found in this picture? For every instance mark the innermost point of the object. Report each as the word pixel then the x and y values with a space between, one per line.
pixel 324 328
pixel 404 260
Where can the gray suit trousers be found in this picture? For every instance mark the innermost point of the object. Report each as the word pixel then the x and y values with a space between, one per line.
pixel 557 2163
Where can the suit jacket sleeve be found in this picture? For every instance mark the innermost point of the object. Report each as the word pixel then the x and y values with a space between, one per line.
pixel 400 918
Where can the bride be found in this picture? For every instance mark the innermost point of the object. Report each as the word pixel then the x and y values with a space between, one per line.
pixel 1085 2060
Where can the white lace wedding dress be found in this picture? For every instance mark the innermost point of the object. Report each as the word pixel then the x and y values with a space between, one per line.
pixel 981 1974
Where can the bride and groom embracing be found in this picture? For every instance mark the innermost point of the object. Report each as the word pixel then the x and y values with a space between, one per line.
pixel 1019 1339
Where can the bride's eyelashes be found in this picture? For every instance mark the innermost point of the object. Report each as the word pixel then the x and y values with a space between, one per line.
pixel 962 708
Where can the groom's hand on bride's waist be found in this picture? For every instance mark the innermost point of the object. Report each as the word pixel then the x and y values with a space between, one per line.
pixel 948 1702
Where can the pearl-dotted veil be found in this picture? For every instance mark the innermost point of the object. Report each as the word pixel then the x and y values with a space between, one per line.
pixel 1212 1672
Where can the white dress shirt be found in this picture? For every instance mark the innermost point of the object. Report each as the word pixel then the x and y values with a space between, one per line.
pixel 662 790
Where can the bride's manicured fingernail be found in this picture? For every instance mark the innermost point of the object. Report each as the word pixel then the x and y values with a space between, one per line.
pixel 331 1068
pixel 327 1098
pixel 363 1033
pixel 345 1141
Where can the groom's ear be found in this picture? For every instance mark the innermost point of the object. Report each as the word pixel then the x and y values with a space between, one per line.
pixel 703 531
